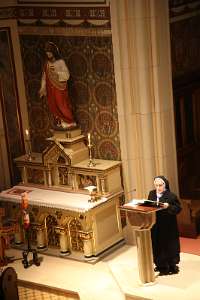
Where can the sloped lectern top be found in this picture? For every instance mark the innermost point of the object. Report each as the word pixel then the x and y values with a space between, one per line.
pixel 141 214
pixel 142 206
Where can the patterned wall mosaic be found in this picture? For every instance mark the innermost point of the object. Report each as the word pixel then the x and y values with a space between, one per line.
pixel 91 88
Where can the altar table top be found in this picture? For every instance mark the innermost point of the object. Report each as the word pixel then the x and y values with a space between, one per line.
pixel 49 198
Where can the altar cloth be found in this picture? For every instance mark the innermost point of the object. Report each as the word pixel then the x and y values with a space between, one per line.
pixel 49 198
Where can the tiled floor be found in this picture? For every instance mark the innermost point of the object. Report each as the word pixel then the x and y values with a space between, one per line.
pixel 34 294
pixel 113 278
pixel 31 291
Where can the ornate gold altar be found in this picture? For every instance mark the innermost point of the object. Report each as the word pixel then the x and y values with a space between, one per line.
pixel 65 215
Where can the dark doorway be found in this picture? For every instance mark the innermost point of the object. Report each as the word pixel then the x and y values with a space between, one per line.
pixel 187 120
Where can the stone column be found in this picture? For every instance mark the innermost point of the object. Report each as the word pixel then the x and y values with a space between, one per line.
pixel 45 178
pixel 64 240
pixel 41 237
pixel 87 243
pixel 49 177
pixel 18 236
pixel 103 185
pixel 56 175
pixel 141 49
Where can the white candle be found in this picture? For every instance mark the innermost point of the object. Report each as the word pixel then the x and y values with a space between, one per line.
pixel 89 139
pixel 27 134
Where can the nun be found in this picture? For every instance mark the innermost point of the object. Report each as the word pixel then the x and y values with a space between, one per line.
pixel 164 233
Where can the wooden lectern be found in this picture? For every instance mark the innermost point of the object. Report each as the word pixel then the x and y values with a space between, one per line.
pixel 142 217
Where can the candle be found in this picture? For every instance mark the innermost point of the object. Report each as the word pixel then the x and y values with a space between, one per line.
pixel 27 134
pixel 89 139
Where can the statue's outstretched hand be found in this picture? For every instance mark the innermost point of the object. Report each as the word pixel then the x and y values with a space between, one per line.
pixel 42 93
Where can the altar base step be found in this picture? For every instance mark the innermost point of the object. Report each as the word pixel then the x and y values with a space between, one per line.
pixel 75 255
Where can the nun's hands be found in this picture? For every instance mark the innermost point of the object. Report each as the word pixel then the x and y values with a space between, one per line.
pixel 166 205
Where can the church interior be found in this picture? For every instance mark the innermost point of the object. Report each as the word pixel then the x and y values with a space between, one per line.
pixel 130 71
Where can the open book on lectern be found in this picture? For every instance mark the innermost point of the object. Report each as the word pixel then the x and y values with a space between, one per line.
pixel 144 202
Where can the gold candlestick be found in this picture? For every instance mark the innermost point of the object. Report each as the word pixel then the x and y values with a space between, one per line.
pixel 91 162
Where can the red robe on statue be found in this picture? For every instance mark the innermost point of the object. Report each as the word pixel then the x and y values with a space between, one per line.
pixel 57 94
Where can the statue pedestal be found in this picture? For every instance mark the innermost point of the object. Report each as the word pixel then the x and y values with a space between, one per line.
pixel 142 219
pixel 71 142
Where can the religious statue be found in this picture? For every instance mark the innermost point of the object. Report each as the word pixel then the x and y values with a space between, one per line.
pixel 54 86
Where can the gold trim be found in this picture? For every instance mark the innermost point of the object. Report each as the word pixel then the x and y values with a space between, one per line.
pixel 64 31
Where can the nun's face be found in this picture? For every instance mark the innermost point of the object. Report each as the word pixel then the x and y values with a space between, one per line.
pixel 159 185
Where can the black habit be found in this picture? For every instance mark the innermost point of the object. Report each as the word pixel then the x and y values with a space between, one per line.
pixel 164 233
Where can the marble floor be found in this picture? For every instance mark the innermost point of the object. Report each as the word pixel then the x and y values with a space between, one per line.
pixel 115 277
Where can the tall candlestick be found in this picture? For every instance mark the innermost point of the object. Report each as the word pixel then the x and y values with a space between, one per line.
pixel 91 162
